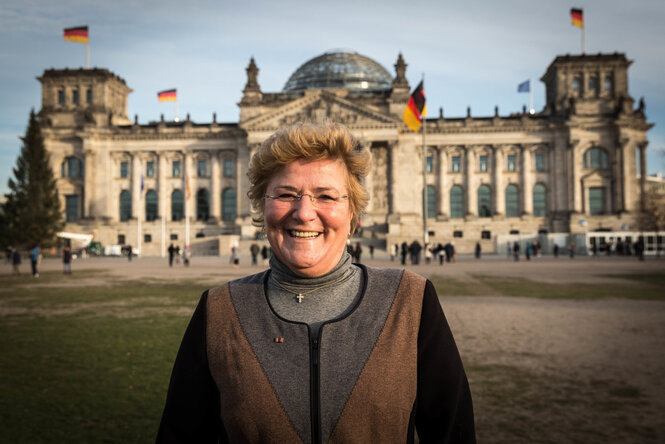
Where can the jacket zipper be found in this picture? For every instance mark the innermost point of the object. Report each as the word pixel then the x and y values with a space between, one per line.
pixel 314 390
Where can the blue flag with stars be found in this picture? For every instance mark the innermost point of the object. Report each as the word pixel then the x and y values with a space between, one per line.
pixel 524 87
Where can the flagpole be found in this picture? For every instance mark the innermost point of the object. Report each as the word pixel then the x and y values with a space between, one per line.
pixel 583 38
pixel 139 215
pixel 187 193
pixel 176 110
pixel 424 126
pixel 530 98
pixel 87 56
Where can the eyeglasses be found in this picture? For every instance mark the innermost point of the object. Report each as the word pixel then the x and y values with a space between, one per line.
pixel 324 200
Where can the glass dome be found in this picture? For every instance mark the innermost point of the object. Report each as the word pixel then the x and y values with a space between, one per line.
pixel 340 69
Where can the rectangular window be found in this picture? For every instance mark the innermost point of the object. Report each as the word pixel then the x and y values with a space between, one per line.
pixel 72 208
pixel 540 162
pixel 456 164
pixel 512 163
pixel 201 168
pixel 147 238
pixel 228 167
pixel 150 169
pixel 88 96
pixel 429 164
pixel 597 200
pixel 458 233
pixel 121 239
pixel 176 168
pixel 486 234
pixel 483 164
pixel 61 97
pixel 593 84
pixel 124 169
pixel 174 237
pixel 75 96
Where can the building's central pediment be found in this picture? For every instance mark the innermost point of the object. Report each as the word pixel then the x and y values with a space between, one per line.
pixel 318 106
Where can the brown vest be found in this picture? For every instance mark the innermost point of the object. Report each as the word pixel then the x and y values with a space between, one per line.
pixel 368 363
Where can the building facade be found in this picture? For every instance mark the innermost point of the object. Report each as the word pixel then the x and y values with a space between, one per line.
pixel 576 166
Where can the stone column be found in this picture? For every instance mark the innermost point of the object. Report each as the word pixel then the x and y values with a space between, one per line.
pixel 137 164
pixel 469 182
pixel 216 193
pixel 368 179
pixel 162 175
pixel 575 192
pixel 393 167
pixel 188 185
pixel 527 181
pixel 88 209
pixel 443 185
pixel 643 174
pixel 499 189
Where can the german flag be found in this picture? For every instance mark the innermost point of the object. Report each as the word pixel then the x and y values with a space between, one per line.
pixel 78 34
pixel 577 17
pixel 416 108
pixel 169 95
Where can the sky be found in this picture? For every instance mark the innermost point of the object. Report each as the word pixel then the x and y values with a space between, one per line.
pixel 472 53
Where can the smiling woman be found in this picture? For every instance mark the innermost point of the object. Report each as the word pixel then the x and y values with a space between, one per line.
pixel 316 348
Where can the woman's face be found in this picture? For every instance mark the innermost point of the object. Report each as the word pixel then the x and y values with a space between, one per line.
pixel 309 240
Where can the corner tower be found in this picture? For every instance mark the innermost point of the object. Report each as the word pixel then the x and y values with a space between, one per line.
pixel 82 97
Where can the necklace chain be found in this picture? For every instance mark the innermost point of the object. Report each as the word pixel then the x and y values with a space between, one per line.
pixel 301 294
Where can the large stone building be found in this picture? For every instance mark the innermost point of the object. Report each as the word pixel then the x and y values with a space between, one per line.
pixel 578 160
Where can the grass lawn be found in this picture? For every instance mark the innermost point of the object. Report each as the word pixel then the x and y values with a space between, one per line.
pixel 645 287
pixel 88 358
pixel 88 364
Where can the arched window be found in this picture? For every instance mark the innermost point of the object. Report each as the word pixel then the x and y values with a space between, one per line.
pixel 484 201
pixel 229 205
pixel 539 200
pixel 512 201
pixel 202 205
pixel 596 158
pixel 456 202
pixel 125 205
pixel 431 201
pixel 177 207
pixel 150 205
pixel 72 167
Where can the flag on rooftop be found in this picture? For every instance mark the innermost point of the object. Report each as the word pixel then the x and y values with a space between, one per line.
pixel 78 34
pixel 577 17
pixel 168 95
pixel 416 108
pixel 524 87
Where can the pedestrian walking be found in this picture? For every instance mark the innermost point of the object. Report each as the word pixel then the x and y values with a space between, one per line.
pixel 67 260
pixel 16 261
pixel 35 258
pixel 556 250
pixel 357 252
pixel 516 251
pixel 428 253
pixel 254 251
pixel 478 250
pixel 129 253
pixel 371 251
pixel 441 253
pixel 264 255
pixel 405 251
pixel 171 254
pixel 394 251
pixel 571 250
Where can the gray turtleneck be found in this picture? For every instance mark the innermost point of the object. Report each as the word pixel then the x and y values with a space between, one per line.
pixel 340 288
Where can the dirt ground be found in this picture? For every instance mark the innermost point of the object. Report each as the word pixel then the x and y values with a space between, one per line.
pixel 540 370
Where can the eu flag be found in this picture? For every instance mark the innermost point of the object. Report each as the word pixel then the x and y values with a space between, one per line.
pixel 524 87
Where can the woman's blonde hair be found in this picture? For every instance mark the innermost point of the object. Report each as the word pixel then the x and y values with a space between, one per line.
pixel 310 141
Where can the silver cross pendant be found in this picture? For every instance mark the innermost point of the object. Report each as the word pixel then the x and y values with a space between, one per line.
pixel 299 297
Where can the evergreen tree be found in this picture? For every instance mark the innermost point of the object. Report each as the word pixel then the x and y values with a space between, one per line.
pixel 31 215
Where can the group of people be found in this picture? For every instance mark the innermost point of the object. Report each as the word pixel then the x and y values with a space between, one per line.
pixel 530 249
pixel 621 248
pixel 444 253
pixel 13 256
pixel 254 250
pixel 175 254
